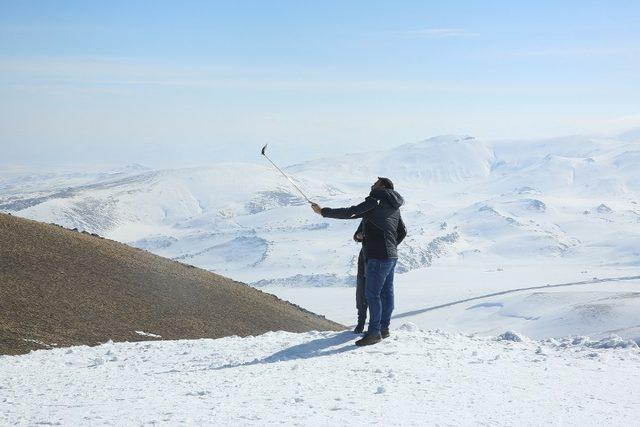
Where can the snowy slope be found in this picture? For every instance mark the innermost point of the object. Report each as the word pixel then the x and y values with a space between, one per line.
pixel 320 378
pixel 442 160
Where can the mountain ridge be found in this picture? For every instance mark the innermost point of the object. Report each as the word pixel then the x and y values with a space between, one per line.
pixel 61 287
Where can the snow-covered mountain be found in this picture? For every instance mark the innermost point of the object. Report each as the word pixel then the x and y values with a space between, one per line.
pixel 572 198
pixel 567 205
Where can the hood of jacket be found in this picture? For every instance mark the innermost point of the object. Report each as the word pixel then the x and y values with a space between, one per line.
pixel 390 196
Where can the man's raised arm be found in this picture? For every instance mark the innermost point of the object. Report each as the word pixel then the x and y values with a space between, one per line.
pixel 347 213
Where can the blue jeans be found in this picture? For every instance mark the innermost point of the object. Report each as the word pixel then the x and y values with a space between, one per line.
pixel 379 293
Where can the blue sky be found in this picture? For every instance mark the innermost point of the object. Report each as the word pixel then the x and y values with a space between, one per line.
pixel 189 83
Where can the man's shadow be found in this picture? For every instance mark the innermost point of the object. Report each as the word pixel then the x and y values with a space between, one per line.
pixel 317 348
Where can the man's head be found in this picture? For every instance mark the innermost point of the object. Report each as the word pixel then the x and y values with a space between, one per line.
pixel 382 183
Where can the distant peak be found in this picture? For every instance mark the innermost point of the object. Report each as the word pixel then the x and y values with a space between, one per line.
pixel 631 135
pixel 132 167
pixel 448 138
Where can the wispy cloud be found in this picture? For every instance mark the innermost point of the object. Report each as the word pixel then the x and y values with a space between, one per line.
pixel 574 51
pixel 114 75
pixel 437 32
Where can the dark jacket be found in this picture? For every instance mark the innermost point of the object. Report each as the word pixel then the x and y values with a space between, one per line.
pixel 382 224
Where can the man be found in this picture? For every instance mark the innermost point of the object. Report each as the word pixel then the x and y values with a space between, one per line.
pixel 361 301
pixel 382 230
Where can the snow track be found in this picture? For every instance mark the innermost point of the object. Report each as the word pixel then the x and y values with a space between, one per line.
pixel 510 291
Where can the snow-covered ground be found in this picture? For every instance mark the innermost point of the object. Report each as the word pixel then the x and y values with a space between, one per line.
pixel 320 378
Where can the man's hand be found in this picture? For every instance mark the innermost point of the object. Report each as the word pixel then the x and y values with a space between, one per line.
pixel 358 237
pixel 316 208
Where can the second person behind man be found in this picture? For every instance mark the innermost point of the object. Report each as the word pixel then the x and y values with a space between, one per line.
pixel 383 230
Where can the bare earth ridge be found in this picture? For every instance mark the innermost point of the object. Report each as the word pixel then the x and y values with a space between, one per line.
pixel 59 287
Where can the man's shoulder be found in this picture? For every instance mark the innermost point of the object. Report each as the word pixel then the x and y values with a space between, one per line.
pixel 376 196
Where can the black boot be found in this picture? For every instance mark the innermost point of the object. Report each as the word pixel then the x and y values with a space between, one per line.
pixel 369 339
pixel 359 328
pixel 384 333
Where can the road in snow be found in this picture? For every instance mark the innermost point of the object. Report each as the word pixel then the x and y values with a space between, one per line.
pixel 320 378
pixel 444 297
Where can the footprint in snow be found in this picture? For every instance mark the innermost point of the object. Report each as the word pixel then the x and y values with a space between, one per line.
pixel 97 361
pixel 380 390
pixel 198 393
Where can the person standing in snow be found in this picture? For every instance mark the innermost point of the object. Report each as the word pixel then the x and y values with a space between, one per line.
pixel 361 301
pixel 382 231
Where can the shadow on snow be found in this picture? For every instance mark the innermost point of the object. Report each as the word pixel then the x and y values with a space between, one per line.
pixel 317 348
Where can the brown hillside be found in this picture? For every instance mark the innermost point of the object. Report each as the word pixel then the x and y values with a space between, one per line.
pixel 59 287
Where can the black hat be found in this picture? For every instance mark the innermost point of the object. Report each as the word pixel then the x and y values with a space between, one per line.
pixel 386 182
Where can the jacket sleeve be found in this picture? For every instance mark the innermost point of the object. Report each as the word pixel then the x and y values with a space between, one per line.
pixel 352 212
pixel 402 231
pixel 359 230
